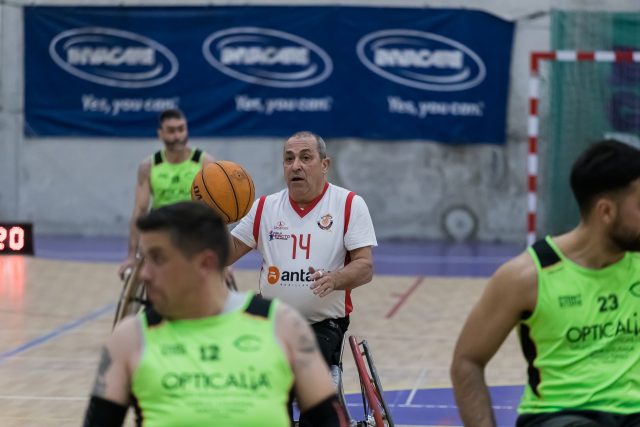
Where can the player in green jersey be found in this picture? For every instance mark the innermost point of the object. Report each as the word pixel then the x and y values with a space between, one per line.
pixel 575 299
pixel 205 356
pixel 166 176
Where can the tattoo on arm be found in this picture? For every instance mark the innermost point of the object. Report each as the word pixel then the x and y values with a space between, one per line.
pixel 144 172
pixel 305 344
pixel 141 177
pixel 100 387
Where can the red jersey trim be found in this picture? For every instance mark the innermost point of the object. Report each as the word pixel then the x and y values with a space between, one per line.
pixel 347 211
pixel 348 304
pixel 303 212
pixel 256 222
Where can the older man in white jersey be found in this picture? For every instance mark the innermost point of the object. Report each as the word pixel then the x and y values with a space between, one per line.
pixel 315 239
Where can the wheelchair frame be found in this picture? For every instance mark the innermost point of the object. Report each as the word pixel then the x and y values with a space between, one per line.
pixel 133 295
pixel 376 411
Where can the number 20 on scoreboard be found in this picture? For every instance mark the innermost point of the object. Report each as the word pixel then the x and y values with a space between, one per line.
pixel 16 238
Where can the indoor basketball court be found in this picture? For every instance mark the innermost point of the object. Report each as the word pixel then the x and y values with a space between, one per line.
pixel 56 310
pixel 456 122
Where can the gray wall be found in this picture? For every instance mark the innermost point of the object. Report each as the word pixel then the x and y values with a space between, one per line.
pixel 86 186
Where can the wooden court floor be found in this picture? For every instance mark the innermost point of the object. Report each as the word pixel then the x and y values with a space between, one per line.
pixel 55 315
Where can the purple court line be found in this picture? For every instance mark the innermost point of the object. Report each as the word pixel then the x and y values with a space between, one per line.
pixel 56 332
pixel 404 297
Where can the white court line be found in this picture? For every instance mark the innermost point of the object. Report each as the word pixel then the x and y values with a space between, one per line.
pixel 416 406
pixel 414 390
pixel 73 398
pixel 10 397
pixel 56 359
pixel 428 406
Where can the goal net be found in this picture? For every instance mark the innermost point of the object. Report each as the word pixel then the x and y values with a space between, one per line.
pixel 576 99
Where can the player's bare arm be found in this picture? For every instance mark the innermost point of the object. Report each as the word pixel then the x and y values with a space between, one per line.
pixel 208 159
pixel 237 249
pixel 112 387
pixel 140 206
pixel 511 292
pixel 357 273
pixel 312 379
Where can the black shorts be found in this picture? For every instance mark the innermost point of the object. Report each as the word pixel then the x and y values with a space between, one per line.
pixel 330 333
pixel 578 419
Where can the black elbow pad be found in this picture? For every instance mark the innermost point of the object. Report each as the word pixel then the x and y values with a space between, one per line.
pixel 104 413
pixel 328 413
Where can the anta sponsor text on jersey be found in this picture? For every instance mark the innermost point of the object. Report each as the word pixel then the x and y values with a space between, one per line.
pixel 289 278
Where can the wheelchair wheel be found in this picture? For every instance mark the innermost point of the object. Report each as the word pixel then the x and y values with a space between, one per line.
pixel 375 409
pixel 132 297
pixel 377 385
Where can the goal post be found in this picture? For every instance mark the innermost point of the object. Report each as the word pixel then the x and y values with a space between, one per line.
pixel 575 98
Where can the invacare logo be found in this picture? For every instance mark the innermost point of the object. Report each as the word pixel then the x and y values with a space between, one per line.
pixel 112 57
pixel 267 57
pixel 421 60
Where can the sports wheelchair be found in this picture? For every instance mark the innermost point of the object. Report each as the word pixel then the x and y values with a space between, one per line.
pixel 375 410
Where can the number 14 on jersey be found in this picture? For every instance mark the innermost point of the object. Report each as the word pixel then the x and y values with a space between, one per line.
pixel 298 241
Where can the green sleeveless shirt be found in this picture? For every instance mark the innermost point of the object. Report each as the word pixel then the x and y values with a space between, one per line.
pixel 582 341
pixel 226 370
pixel 171 182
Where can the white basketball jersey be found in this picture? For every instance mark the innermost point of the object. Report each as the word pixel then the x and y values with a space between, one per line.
pixel 292 239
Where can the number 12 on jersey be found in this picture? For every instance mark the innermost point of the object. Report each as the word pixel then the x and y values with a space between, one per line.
pixel 298 243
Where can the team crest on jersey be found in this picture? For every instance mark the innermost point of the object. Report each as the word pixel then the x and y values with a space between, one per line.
pixel 325 222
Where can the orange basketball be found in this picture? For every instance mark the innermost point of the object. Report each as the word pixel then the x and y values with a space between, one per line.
pixel 226 187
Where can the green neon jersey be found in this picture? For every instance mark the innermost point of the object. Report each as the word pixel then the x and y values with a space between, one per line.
pixel 226 370
pixel 582 341
pixel 171 182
